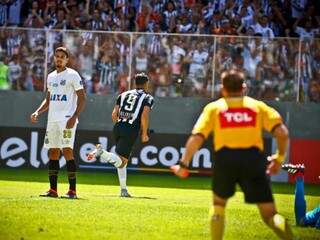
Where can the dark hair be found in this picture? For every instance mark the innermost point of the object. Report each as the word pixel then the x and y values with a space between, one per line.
pixel 232 80
pixel 141 78
pixel 62 49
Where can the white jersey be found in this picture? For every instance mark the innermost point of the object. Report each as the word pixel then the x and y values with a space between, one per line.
pixel 63 98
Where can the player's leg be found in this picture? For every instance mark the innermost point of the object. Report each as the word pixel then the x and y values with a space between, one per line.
pixel 71 170
pixel 120 162
pixel 124 147
pixel 67 142
pixel 51 143
pixel 275 221
pixel 255 185
pixel 299 201
pixel 297 170
pixel 224 180
pixel 122 176
pixel 106 157
pixel 217 217
pixel 317 226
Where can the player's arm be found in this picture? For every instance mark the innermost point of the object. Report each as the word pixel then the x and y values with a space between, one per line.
pixel 115 113
pixel 145 123
pixel 272 122
pixel 81 102
pixel 281 134
pixel 192 146
pixel 42 108
pixel 200 132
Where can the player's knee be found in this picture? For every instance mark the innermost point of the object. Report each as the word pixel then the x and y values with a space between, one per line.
pixel 267 216
pixel 218 201
pixel 54 153
pixel 124 162
pixel 216 213
pixel 68 153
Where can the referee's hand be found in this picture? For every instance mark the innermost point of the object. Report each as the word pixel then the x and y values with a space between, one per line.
pixel 274 167
pixel 179 171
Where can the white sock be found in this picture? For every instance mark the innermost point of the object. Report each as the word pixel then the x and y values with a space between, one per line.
pixel 108 157
pixel 122 174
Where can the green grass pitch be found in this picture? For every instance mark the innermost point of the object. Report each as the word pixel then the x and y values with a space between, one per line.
pixel 163 207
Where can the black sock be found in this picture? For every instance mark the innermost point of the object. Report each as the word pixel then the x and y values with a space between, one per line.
pixel 71 168
pixel 53 173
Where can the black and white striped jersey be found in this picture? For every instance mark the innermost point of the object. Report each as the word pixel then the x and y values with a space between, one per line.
pixel 131 104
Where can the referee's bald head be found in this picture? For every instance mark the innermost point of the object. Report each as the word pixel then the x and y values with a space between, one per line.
pixel 233 80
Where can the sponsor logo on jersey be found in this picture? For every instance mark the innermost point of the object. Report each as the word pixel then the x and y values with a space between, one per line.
pixel 63 82
pixel 58 97
pixel 53 84
pixel 238 117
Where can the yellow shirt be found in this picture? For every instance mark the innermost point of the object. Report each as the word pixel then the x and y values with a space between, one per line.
pixel 237 122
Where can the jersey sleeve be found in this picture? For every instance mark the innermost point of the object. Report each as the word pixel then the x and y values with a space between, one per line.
pixel 271 117
pixel 118 100
pixel 149 101
pixel 48 84
pixel 205 122
pixel 77 82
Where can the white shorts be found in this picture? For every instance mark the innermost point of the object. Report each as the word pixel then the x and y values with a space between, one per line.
pixel 57 136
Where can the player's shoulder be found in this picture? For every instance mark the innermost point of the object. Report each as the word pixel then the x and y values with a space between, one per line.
pixel 149 99
pixel 127 92
pixel 255 102
pixel 71 71
pixel 216 104
pixel 52 74
pixel 149 96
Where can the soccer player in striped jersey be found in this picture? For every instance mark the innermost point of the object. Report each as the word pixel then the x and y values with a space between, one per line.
pixel 131 118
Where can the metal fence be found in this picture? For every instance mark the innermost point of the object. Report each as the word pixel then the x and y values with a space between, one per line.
pixel 284 69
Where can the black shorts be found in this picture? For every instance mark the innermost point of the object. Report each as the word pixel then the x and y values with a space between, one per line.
pixel 125 137
pixel 247 167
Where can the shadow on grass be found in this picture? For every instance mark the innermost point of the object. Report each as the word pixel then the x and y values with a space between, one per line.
pixel 136 179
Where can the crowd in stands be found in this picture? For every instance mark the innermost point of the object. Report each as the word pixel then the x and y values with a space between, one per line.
pixel 213 35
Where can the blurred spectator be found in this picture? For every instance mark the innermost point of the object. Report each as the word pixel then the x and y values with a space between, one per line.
pixel 62 22
pixel 14 18
pixel 306 31
pixel 314 91
pixel 298 7
pixel 140 62
pixel 3 12
pixel 143 18
pixel 34 19
pixel 198 69
pixel 94 86
pixel 304 70
pixel 50 14
pixel 15 72
pixel 4 78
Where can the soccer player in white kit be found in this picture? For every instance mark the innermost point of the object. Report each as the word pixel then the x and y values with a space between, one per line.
pixel 65 99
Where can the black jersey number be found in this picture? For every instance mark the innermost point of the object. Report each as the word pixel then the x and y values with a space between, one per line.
pixel 130 102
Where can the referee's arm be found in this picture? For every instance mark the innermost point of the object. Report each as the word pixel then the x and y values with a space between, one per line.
pixel 193 144
pixel 281 134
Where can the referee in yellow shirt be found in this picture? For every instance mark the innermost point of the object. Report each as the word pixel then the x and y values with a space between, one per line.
pixel 238 122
